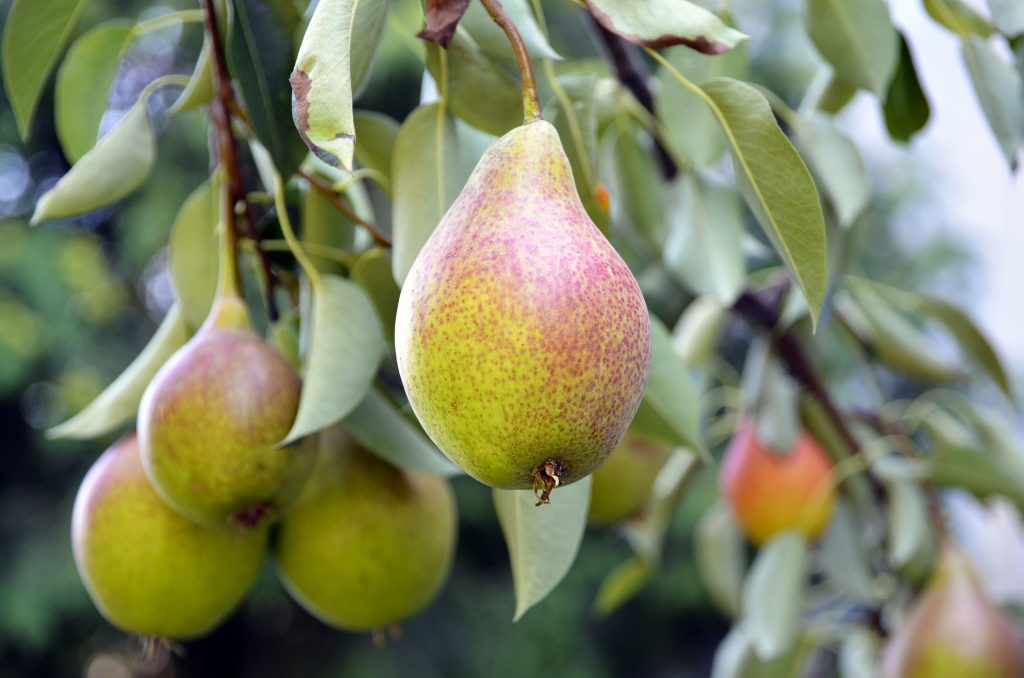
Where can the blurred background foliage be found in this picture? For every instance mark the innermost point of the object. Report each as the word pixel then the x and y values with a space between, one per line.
pixel 79 299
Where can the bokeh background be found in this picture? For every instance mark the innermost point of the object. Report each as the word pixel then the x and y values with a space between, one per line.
pixel 78 299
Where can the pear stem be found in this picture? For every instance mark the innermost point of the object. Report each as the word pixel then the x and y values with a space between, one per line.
pixel 531 101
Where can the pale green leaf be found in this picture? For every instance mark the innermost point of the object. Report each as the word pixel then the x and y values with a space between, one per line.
pixel 491 38
pixel 193 253
pixel 773 595
pixel 983 474
pixel 381 428
pixel 1001 93
pixel 646 533
pixel 906 106
pixel 639 205
pixel 426 179
pixel 858 654
pixel 118 403
pixel 34 35
pixel 720 555
pixel 621 585
pixel 1008 15
pixel 345 349
pixel 857 38
pixel 909 529
pixel 373 272
pixel 959 17
pixel 771 399
pixel 83 85
pixel 836 95
pixel 698 330
pixel 542 540
pixel 324 224
pixel 836 164
pixel 110 171
pixel 660 23
pixel 775 183
pixel 199 90
pixel 375 140
pixel 844 557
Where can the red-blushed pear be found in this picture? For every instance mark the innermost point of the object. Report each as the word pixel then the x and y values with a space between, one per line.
pixel 368 544
pixel 522 337
pixel 770 493
pixel 149 570
pixel 623 483
pixel 211 419
pixel 953 630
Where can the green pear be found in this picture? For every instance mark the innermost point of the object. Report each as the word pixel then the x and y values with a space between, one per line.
pixel 953 630
pixel 210 422
pixel 522 337
pixel 622 485
pixel 149 570
pixel 367 544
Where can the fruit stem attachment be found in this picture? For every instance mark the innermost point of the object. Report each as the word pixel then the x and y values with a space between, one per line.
pixel 546 478
pixel 531 101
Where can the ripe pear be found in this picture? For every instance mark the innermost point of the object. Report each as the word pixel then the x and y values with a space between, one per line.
pixel 149 570
pixel 770 493
pixel 622 485
pixel 953 630
pixel 210 421
pixel 367 544
pixel 522 338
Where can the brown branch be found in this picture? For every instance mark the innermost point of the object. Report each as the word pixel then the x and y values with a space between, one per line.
pixel 325 189
pixel 227 150
pixel 531 101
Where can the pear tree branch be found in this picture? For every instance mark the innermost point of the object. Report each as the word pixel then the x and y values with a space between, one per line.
pixel 531 101
pixel 327 191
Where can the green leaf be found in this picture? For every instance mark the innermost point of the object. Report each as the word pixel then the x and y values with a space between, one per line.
pixel 343 356
pixel 909 528
pixel 906 106
pixel 661 23
pixel 857 38
pixel 110 171
pixel 690 127
pixel 373 273
pixel 83 85
pixel 426 179
pixel 621 585
pixel 671 396
pixel 704 248
pixel 720 555
pixel 844 557
pixel 33 38
pixel 698 330
pixel 771 398
pixel 775 183
pixel 635 181
pixel 493 40
pixel 958 17
pixel 1001 93
pixel 382 429
pixel 837 94
pixel 646 533
pixel 836 164
pixel 193 253
pixel 118 403
pixel 465 72
pixel 542 540
pixel 984 474
pixel 199 90
pixel 858 654
pixel 260 56
pixel 375 140
pixel 1008 16
pixel 323 224
pixel 773 595
pixel 333 63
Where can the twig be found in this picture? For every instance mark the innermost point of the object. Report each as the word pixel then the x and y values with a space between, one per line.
pixel 326 190
pixel 531 102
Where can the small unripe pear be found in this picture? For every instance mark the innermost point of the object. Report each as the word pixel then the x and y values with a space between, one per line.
pixel 522 337
pixel 770 493
pixel 149 570
pixel 953 630
pixel 368 544
pixel 622 485
pixel 210 421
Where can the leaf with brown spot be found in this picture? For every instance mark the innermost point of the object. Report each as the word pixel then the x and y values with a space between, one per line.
pixel 442 18
pixel 663 23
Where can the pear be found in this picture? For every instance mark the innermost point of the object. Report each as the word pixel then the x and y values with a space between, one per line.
pixel 522 338
pixel 367 544
pixel 149 570
pixel 953 630
pixel 210 421
pixel 622 485
pixel 770 493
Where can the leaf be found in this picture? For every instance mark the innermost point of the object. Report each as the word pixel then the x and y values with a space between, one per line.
pixel 843 557
pixel 858 654
pixel 117 404
pixel 34 35
pixel 375 140
pixel 478 23
pixel 381 428
pixel 1001 93
pixel 193 254
pixel 323 224
pixel 333 63
pixel 199 90
pixel 857 38
pixel 698 330
pixel 662 23
pixel 621 585
pixel 468 71
pixel 983 474
pixel 110 171
pixel 958 17
pixel 837 94
pixel 579 136
pixel 373 273
pixel 775 183
pixel 771 398
pixel 720 556
pixel 426 179
pixel 773 595
pixel 906 106
pixel 646 533
pixel 442 17
pixel 909 529
pixel 836 164
pixel 634 180
pixel 1008 16
pixel 83 85
pixel 343 356
pixel 542 540
pixel 671 396
pixel 260 56
pixel 704 248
